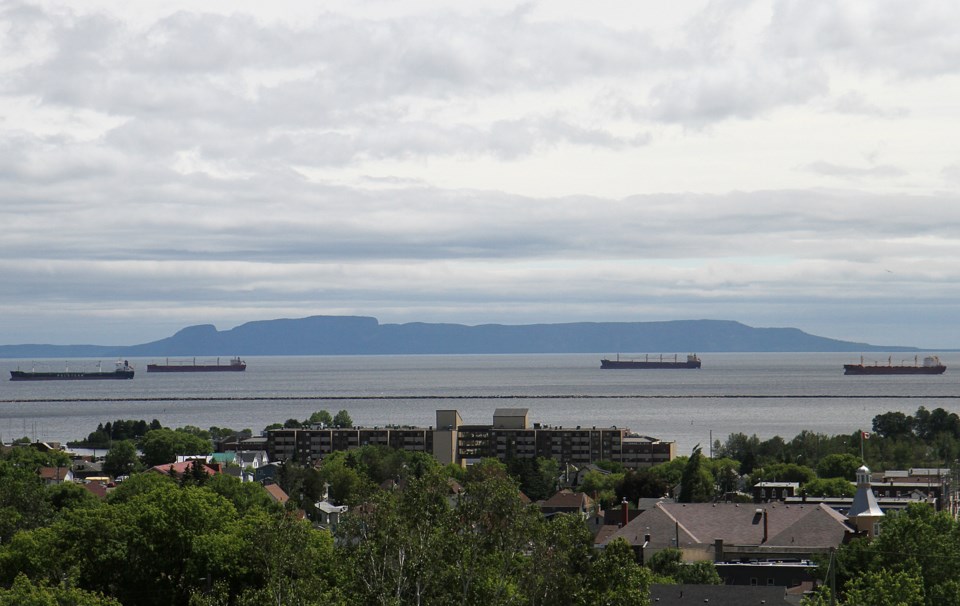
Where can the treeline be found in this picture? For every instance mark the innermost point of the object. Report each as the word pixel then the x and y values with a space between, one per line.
pixel 420 533
pixel 427 538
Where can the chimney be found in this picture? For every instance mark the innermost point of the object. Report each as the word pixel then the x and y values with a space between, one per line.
pixel 765 526
pixel 625 508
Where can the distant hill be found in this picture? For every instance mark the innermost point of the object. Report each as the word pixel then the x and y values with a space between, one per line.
pixel 353 335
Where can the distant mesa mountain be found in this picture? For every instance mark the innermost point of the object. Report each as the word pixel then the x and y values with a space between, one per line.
pixel 356 335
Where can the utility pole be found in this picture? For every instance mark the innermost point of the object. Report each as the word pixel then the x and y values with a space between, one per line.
pixel 833 576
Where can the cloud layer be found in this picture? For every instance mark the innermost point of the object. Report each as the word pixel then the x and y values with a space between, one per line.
pixel 778 163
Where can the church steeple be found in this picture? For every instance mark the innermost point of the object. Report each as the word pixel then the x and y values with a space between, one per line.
pixel 864 513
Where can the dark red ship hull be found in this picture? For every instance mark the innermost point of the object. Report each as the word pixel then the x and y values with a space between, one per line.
pixel 235 365
pixel 659 362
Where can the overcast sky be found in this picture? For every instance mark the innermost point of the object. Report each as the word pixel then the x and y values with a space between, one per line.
pixel 794 163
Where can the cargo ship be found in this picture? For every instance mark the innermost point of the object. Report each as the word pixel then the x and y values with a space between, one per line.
pixel 931 366
pixel 648 361
pixel 123 371
pixel 236 365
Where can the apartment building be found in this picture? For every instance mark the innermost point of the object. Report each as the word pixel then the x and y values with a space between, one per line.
pixel 509 436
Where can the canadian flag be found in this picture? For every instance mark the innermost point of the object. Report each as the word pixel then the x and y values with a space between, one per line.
pixel 865 435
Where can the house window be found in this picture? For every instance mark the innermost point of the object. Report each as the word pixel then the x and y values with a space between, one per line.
pixel 753 581
pixel 769 581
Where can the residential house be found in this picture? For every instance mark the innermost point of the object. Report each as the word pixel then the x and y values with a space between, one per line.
pixel 276 493
pixel 252 459
pixel 328 514
pixel 734 532
pixel 176 470
pixel 765 492
pixel 55 475
pixel 567 501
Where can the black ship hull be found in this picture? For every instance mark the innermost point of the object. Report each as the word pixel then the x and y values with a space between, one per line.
pixel 235 365
pixel 23 375
pixel 859 369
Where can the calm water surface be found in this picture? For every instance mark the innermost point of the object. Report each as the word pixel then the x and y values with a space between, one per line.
pixel 763 394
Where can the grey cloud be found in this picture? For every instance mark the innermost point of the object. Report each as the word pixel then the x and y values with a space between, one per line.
pixel 906 40
pixel 856 103
pixel 854 172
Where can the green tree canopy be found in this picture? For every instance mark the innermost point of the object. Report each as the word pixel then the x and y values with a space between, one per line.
pixel 321 417
pixel 839 466
pixel 828 487
pixel 640 484
pixel 25 593
pixel 342 419
pixel 162 446
pixel 122 459
pixel 696 484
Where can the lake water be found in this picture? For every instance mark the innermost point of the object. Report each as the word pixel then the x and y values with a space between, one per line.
pixel 763 394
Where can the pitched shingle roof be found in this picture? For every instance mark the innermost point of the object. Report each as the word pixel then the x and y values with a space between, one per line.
pixel 804 525
pixel 276 493
pixel 716 595
pixel 54 473
pixel 566 499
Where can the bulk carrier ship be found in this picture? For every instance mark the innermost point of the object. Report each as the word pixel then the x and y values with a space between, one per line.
pixel 235 365
pixel 931 366
pixel 652 362
pixel 123 371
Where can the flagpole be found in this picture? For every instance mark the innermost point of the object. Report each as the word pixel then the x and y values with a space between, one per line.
pixel 862 458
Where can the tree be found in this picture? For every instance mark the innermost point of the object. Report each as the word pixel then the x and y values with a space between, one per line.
pixel 828 487
pixel 245 496
pixel 616 579
pixel 785 472
pixel 639 484
pixel 538 477
pixel 696 484
pixel 195 475
pixel 839 466
pixel 885 588
pixel 292 563
pixel 342 419
pixel 25 593
pixel 68 495
pixel 161 446
pixel 558 562
pixel 894 425
pixel 122 459
pixel 725 472
pixel 24 502
pixel 669 563
pixel 603 486
pixel 321 417
pixel 404 542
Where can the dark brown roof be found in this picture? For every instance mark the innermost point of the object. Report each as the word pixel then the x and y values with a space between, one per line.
pixel 716 595
pixel 54 473
pixel 605 533
pixel 566 499
pixel 804 525
pixel 97 489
